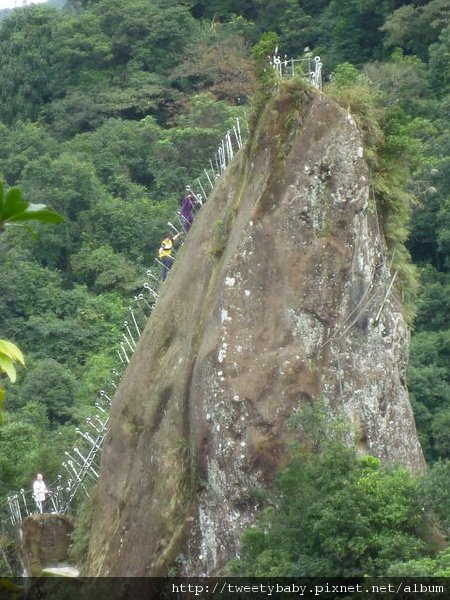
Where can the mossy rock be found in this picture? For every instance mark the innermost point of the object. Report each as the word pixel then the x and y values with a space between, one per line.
pixel 45 541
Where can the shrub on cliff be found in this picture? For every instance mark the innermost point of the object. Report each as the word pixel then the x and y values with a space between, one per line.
pixel 337 514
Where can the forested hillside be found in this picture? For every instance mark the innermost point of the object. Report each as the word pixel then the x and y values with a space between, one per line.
pixel 109 107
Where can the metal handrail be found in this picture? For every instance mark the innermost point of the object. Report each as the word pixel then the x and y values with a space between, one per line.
pixel 308 67
pixel 82 461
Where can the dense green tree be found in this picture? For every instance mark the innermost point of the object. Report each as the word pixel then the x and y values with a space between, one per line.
pixel 434 302
pixel 437 492
pixel 21 144
pixel 422 567
pixel 18 439
pixel 83 49
pixel 151 36
pixel 102 269
pixel 402 79
pixel 429 371
pixel 350 32
pixel 49 383
pixel 439 61
pixel 25 436
pixel 51 321
pixel 22 280
pixel 71 186
pixel 334 514
pixel 119 150
pixel 415 26
pixel 132 96
pixel 206 112
pixel 28 61
pixel 439 428
pixel 134 228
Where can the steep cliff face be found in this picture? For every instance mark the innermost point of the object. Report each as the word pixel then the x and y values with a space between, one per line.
pixel 280 295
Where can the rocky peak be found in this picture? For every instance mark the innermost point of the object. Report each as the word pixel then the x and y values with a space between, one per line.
pixel 282 294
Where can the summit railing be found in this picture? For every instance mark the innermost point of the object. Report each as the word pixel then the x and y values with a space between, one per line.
pixel 308 67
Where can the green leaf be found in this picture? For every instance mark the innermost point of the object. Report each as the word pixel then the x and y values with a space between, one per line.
pixel 13 204
pixel 37 212
pixel 11 351
pixel 7 366
pixel 14 209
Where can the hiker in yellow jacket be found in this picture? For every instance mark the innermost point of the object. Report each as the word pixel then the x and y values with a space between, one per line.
pixel 165 254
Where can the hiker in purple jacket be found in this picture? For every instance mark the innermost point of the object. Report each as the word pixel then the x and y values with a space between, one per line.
pixel 187 209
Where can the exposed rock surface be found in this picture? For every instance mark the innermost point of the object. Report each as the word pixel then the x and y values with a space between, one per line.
pixel 273 301
pixel 44 541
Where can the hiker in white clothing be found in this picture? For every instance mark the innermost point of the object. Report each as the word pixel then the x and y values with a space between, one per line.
pixel 39 492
